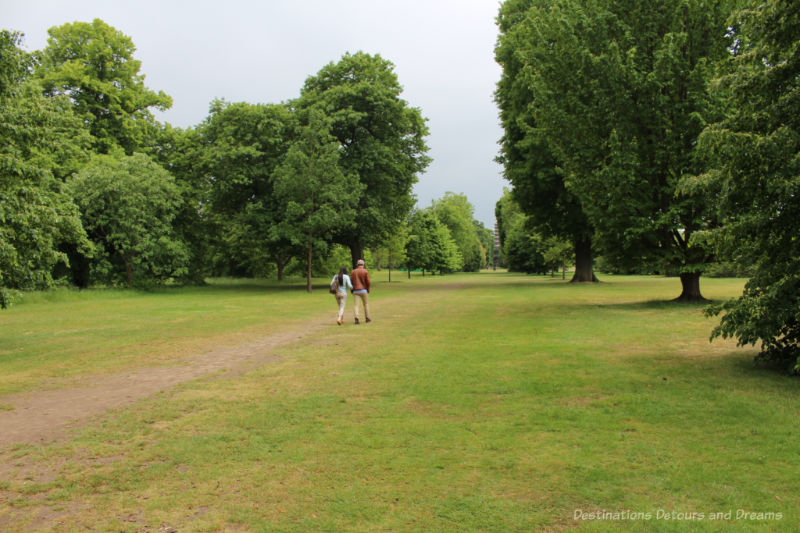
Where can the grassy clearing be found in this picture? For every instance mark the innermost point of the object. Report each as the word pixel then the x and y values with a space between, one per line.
pixel 487 402
pixel 53 336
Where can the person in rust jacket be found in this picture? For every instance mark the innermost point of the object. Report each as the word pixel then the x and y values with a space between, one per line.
pixel 360 278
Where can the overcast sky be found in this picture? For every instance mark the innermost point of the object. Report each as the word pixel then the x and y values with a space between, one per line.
pixel 262 52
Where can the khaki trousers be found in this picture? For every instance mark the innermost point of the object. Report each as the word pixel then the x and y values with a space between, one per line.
pixel 363 300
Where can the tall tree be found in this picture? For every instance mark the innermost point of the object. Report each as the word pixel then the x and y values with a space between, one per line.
pixel 318 197
pixel 430 245
pixel 420 247
pixel 455 212
pixel 381 137
pixel 486 240
pixel 180 151
pixel 241 146
pixel 756 179
pixel 528 160
pixel 621 94
pixel 93 64
pixel 41 142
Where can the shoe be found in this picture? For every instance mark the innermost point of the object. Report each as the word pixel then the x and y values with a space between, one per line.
pixel 339 321
pixel 368 320
pixel 356 321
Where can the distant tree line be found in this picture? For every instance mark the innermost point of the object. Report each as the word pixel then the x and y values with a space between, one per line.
pixel 663 136
pixel 95 191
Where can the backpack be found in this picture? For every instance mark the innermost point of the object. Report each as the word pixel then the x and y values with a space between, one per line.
pixel 335 285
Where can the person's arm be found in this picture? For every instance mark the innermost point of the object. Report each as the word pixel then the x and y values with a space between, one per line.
pixel 368 284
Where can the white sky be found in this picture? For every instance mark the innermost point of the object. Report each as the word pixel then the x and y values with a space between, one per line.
pixel 262 52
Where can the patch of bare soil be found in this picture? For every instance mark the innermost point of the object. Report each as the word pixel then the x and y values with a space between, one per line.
pixel 45 415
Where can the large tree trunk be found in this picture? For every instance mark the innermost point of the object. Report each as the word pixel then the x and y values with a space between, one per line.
pixel 128 270
pixel 690 284
pixel 356 253
pixel 281 265
pixel 308 268
pixel 584 271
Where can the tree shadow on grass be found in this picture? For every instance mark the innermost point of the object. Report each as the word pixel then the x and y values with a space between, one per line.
pixel 756 368
pixel 654 305
pixel 475 283
pixel 240 285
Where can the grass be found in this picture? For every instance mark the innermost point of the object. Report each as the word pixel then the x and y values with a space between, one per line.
pixel 69 334
pixel 485 402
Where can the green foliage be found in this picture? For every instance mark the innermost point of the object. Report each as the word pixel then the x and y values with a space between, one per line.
pixel 430 245
pixel 392 253
pixel 486 240
pixel 15 63
pixel 756 180
pixel 505 211
pixel 40 142
pixel 529 162
pixel 318 198
pixel 381 138
pixel 522 248
pixel 240 147
pixel 93 64
pixel 620 95
pixel 337 257
pixel 181 151
pixel 128 204
pixel 557 252
pixel 455 212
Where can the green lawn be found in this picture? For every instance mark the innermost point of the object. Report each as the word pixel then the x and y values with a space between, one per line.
pixel 475 402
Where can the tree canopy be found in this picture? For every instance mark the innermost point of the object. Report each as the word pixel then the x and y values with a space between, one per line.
pixel 41 142
pixel 382 140
pixel 619 95
pixel 317 197
pixel 522 247
pixel 755 179
pixel 127 206
pixel 430 245
pixel 529 162
pixel 242 146
pixel 455 212
pixel 93 64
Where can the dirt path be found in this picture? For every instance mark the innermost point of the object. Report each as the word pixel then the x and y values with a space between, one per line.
pixel 46 415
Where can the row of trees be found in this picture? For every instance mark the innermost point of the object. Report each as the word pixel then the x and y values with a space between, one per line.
pixel 662 134
pixel 95 190
pixel 446 238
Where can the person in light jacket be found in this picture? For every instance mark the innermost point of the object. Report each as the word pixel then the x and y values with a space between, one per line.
pixel 341 292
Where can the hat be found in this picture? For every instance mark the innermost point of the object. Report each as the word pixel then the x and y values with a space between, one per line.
pixel 360 262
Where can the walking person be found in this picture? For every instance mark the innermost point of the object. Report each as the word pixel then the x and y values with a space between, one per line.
pixel 361 284
pixel 342 283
